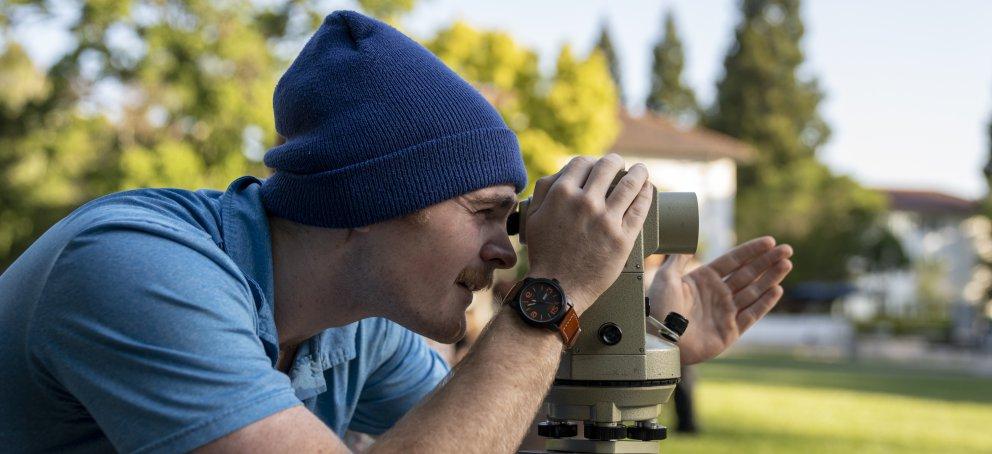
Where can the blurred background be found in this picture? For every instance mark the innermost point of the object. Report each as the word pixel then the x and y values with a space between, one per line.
pixel 858 132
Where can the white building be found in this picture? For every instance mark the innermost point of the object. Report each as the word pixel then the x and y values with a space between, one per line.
pixel 693 160
pixel 939 234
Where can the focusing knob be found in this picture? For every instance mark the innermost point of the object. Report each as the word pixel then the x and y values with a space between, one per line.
pixel 676 322
pixel 610 333
pixel 605 433
pixel 557 429
pixel 648 432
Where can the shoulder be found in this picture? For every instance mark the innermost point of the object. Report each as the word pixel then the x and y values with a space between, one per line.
pixel 140 269
pixel 149 233
pixel 196 213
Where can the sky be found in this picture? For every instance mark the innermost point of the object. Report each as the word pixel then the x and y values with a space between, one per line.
pixel 908 83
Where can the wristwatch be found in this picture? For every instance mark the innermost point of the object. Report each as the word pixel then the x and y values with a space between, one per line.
pixel 542 303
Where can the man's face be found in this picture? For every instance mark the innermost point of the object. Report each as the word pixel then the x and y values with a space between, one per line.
pixel 432 261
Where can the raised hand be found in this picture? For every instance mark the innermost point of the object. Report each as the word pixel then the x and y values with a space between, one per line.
pixel 722 299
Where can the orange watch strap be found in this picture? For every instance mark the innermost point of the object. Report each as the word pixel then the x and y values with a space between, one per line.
pixel 569 328
pixel 513 291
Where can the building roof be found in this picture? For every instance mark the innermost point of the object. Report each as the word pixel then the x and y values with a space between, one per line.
pixel 929 202
pixel 654 136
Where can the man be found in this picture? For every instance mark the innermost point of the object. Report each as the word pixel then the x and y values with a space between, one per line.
pixel 168 321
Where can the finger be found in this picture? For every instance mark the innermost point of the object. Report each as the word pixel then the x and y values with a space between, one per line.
pixel 750 271
pixel 741 254
pixel 769 279
pixel 575 173
pixel 602 174
pixel 541 189
pixel 754 312
pixel 633 218
pixel 628 189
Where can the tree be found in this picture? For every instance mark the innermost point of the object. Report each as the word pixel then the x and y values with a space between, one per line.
pixel 605 45
pixel 987 170
pixel 52 154
pixel 151 93
pixel 983 275
pixel 785 191
pixel 573 111
pixel 389 11
pixel 669 95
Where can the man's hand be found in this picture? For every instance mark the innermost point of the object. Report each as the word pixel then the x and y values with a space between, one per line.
pixel 722 299
pixel 578 235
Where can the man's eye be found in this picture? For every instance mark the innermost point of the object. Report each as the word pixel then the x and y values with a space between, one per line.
pixel 485 212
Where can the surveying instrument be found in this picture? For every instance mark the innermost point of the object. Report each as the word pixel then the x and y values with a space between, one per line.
pixel 613 382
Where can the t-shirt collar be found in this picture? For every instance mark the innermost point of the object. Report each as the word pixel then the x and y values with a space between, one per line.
pixel 247 240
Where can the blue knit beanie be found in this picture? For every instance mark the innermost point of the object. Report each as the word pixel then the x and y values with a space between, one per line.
pixel 377 127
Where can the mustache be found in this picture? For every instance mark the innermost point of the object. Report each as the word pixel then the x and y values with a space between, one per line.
pixel 480 278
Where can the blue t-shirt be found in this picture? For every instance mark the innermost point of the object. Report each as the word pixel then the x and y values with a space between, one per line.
pixel 143 322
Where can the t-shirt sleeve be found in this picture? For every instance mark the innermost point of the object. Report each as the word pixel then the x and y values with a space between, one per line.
pixel 152 331
pixel 410 371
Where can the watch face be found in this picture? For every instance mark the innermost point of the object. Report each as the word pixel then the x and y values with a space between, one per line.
pixel 542 302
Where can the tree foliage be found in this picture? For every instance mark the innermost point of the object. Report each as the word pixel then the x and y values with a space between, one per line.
pixel 669 94
pixel 987 171
pixel 387 10
pixel 573 111
pixel 786 192
pixel 605 45
pixel 150 93
pixel 51 160
pixel 985 209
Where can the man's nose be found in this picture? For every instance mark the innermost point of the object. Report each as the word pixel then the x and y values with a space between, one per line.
pixel 500 252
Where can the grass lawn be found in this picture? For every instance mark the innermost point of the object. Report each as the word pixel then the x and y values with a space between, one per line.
pixel 781 405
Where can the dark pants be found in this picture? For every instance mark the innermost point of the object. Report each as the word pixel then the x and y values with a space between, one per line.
pixel 683 402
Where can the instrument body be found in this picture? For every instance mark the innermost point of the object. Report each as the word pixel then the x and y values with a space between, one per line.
pixel 615 379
